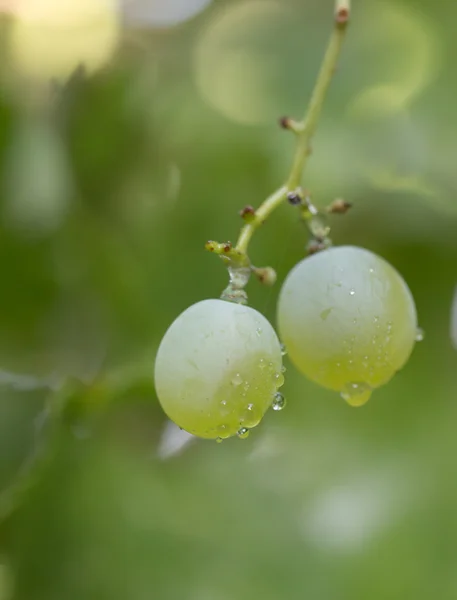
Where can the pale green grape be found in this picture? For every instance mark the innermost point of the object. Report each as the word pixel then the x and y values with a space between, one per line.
pixel 218 369
pixel 348 320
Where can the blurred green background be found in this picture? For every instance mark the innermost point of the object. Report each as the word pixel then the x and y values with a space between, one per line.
pixel 109 187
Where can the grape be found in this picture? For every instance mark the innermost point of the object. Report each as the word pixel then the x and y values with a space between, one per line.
pixel 218 368
pixel 348 320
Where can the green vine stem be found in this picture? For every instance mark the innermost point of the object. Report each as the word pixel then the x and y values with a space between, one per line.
pixel 237 256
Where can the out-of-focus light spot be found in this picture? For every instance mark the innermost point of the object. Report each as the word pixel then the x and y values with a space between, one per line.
pixel 173 441
pixel 346 519
pixel 37 180
pixel 162 13
pixel 411 55
pixel 51 38
pixel 231 75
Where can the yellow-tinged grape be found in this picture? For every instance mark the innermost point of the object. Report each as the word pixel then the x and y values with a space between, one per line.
pixel 348 320
pixel 218 369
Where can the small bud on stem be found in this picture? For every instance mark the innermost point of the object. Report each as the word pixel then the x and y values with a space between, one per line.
pixel 339 207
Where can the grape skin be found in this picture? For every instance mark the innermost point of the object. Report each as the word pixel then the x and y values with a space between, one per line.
pixel 348 320
pixel 217 368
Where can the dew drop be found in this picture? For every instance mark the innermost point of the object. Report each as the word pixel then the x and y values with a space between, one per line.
pixel 278 379
pixel 258 331
pixel 225 409
pixel 219 440
pixel 237 379
pixel 243 433
pixel 356 393
pixel 283 350
pixel 222 430
pixel 279 402
pixel 283 369
pixel 419 334
pixel 352 292
pixel 371 270
pixel 250 418
pixel 262 364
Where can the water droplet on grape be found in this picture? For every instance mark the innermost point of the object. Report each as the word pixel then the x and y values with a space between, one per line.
pixel 225 409
pixel 371 270
pixel 352 292
pixel 262 364
pixel 354 321
pixel 219 440
pixel 237 379
pixel 222 430
pixel 258 331
pixel 283 350
pixel 376 319
pixel 356 393
pixel 283 369
pixel 246 386
pixel 279 402
pixel 278 379
pixel 243 433
pixel 419 334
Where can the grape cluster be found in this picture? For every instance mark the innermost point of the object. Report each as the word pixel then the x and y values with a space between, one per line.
pixel 348 321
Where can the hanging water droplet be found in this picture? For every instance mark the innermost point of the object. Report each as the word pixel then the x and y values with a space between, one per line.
pixel 352 292
pixel 243 433
pixel 279 402
pixel 237 379
pixel 356 393
pixel 420 334
pixel 283 350
pixel 219 440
